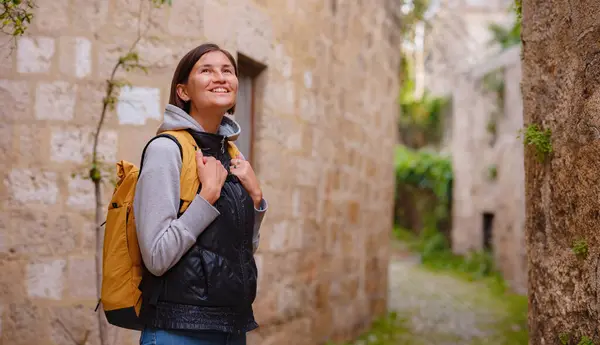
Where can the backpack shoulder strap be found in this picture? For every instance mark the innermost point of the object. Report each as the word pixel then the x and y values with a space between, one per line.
pixel 189 182
pixel 162 135
pixel 233 150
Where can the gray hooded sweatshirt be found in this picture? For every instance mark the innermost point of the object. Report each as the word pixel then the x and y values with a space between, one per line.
pixel 163 238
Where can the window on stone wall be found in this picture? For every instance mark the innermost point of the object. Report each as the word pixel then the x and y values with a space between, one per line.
pixel 488 223
pixel 248 71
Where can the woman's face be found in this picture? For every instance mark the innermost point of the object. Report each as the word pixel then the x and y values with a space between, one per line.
pixel 212 83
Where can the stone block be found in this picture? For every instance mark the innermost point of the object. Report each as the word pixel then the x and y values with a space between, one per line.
pixel 322 325
pixel 55 101
pixel 219 23
pixel 34 54
pixel 40 234
pixel 308 173
pixel 75 56
pixel 52 16
pixel 186 18
pixel 265 306
pixel 5 240
pixel 15 97
pixel 81 278
pixel 32 185
pixel 254 34
pixel 289 301
pixel 91 15
pixel 282 62
pixel 108 55
pixel 6 144
pixel 296 203
pixel 12 281
pixel 30 152
pixel 308 109
pixel 76 144
pixel 81 194
pixel 70 324
pixel 89 103
pixel 281 130
pixel 45 279
pixel 280 97
pixel 34 234
pixel 283 236
pixel 161 55
pixel 137 104
pixel 26 324
pixel 88 236
pixel 7 57
pixel 294 332
pixel 308 79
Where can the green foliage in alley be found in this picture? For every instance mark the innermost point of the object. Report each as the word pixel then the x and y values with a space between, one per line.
pixel 421 121
pixel 478 267
pixel 518 5
pixel 412 16
pixel 423 182
pixel 506 36
pixel 390 329
pixel 424 169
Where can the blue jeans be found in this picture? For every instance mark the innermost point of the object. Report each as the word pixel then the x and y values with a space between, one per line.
pixel 151 336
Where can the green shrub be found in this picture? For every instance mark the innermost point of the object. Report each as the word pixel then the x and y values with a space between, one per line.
pixel 390 329
pixel 424 178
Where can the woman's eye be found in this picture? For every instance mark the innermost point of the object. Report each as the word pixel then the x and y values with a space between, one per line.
pixel 205 70
pixel 227 71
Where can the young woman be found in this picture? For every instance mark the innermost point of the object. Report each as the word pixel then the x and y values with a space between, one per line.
pixel 201 279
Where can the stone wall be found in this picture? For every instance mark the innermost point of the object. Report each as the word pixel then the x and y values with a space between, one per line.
pixel 475 152
pixel 458 39
pixel 325 131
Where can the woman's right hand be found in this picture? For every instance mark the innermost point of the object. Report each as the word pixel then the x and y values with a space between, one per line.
pixel 212 176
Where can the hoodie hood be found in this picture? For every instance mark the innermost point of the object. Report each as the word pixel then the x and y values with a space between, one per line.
pixel 176 118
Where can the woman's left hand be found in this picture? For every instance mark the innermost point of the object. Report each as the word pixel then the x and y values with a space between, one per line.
pixel 243 170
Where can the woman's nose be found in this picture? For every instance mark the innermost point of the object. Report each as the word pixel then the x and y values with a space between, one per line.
pixel 218 77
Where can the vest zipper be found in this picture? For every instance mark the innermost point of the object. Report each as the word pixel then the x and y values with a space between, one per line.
pixel 241 211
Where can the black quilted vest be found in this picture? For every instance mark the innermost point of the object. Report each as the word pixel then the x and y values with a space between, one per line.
pixel 213 285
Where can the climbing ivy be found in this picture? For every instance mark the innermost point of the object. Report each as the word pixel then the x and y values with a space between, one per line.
pixel 493 172
pixel 539 140
pixel 586 341
pixel 580 248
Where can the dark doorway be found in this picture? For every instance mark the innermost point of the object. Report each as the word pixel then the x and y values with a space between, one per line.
pixel 249 70
pixel 488 222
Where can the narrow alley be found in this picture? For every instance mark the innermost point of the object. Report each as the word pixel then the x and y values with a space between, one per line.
pixel 442 309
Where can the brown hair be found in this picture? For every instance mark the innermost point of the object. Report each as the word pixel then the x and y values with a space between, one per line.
pixel 184 68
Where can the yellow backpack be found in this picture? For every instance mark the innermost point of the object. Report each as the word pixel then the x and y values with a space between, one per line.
pixel 122 264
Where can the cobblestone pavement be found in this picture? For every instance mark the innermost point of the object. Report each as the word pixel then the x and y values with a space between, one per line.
pixel 441 309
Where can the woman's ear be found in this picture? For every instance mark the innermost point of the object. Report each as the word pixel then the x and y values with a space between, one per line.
pixel 182 92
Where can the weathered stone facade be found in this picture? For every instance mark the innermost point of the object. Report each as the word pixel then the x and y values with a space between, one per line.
pixel 324 135
pixel 461 63
pixel 458 39
pixel 485 143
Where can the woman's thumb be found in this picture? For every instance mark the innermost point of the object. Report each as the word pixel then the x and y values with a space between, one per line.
pixel 199 157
